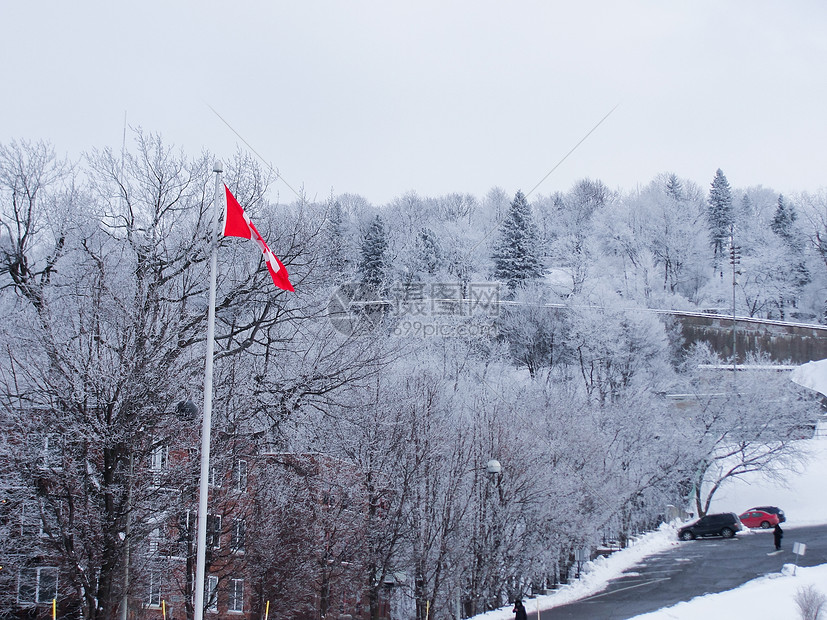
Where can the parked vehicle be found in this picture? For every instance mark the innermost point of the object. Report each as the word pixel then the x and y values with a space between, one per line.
pixel 759 518
pixel 724 524
pixel 775 510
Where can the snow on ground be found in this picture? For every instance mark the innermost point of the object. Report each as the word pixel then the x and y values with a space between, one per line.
pixel 771 597
pixel 803 497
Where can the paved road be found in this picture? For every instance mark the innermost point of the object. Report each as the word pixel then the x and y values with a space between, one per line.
pixel 692 569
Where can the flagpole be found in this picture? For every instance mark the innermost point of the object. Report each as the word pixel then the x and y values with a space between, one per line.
pixel 200 562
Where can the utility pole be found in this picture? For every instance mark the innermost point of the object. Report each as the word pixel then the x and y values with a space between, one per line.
pixel 735 260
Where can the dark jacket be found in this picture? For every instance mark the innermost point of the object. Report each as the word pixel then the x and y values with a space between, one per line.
pixel 520 612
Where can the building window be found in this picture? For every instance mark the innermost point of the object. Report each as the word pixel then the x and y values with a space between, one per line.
pixel 31 523
pixel 236 595
pixel 155 588
pixel 51 454
pixel 37 585
pixel 158 463
pixel 39 518
pixel 238 535
pixel 211 594
pixel 159 541
pixel 215 477
pixel 154 540
pixel 241 476
pixel 214 531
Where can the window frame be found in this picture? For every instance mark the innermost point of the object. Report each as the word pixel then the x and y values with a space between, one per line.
pixel 240 477
pixel 154 588
pixel 37 572
pixel 235 603
pixel 159 462
pixel 238 535
pixel 51 457
pixel 214 531
pixel 211 594
pixel 214 478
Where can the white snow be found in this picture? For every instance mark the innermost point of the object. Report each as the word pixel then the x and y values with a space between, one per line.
pixel 802 496
pixel 812 375
pixel 770 597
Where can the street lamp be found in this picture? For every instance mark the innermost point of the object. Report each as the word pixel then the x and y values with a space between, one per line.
pixel 493 467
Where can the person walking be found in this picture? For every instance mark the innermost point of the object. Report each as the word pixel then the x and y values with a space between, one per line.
pixel 519 611
pixel 777 535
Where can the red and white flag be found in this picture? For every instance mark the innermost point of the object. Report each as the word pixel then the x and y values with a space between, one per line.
pixel 237 224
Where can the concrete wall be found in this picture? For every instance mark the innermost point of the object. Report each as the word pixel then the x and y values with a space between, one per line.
pixel 793 343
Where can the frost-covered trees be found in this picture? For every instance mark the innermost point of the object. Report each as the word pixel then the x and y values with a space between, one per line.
pixel 340 251
pixel 516 253
pixel 429 251
pixel 784 225
pixel 720 218
pixel 105 319
pixel 374 260
pixel 104 286
pixel 751 422
pixel 663 221
pixel 569 230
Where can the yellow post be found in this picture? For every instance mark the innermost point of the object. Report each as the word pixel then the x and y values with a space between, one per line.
pixel 267 610
pixel 54 609
pixel 427 609
pixel 164 608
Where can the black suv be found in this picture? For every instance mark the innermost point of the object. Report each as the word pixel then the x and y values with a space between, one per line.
pixel 723 524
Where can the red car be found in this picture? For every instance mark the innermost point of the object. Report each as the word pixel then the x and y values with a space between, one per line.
pixel 759 518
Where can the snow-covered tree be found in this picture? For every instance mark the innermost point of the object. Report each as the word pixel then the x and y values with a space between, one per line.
pixel 339 247
pixel 373 264
pixel 739 424
pixel 429 251
pixel 720 217
pixel 516 252
pixel 784 226
pixel 103 335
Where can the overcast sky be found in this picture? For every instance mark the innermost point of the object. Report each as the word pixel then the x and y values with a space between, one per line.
pixel 382 98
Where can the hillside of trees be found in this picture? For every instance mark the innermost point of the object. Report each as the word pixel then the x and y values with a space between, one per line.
pixel 425 338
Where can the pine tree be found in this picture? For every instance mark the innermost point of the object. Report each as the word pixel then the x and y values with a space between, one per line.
pixel 720 217
pixel 516 254
pixel 674 187
pixel 783 225
pixel 339 258
pixel 429 251
pixel 374 261
pixel 783 220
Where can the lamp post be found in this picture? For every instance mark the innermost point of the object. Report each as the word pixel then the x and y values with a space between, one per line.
pixel 481 580
pixel 494 471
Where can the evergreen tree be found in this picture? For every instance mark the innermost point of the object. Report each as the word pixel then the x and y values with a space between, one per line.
pixel 516 254
pixel 674 187
pixel 783 220
pixel 374 260
pixel 338 253
pixel 429 251
pixel 720 217
pixel 783 225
